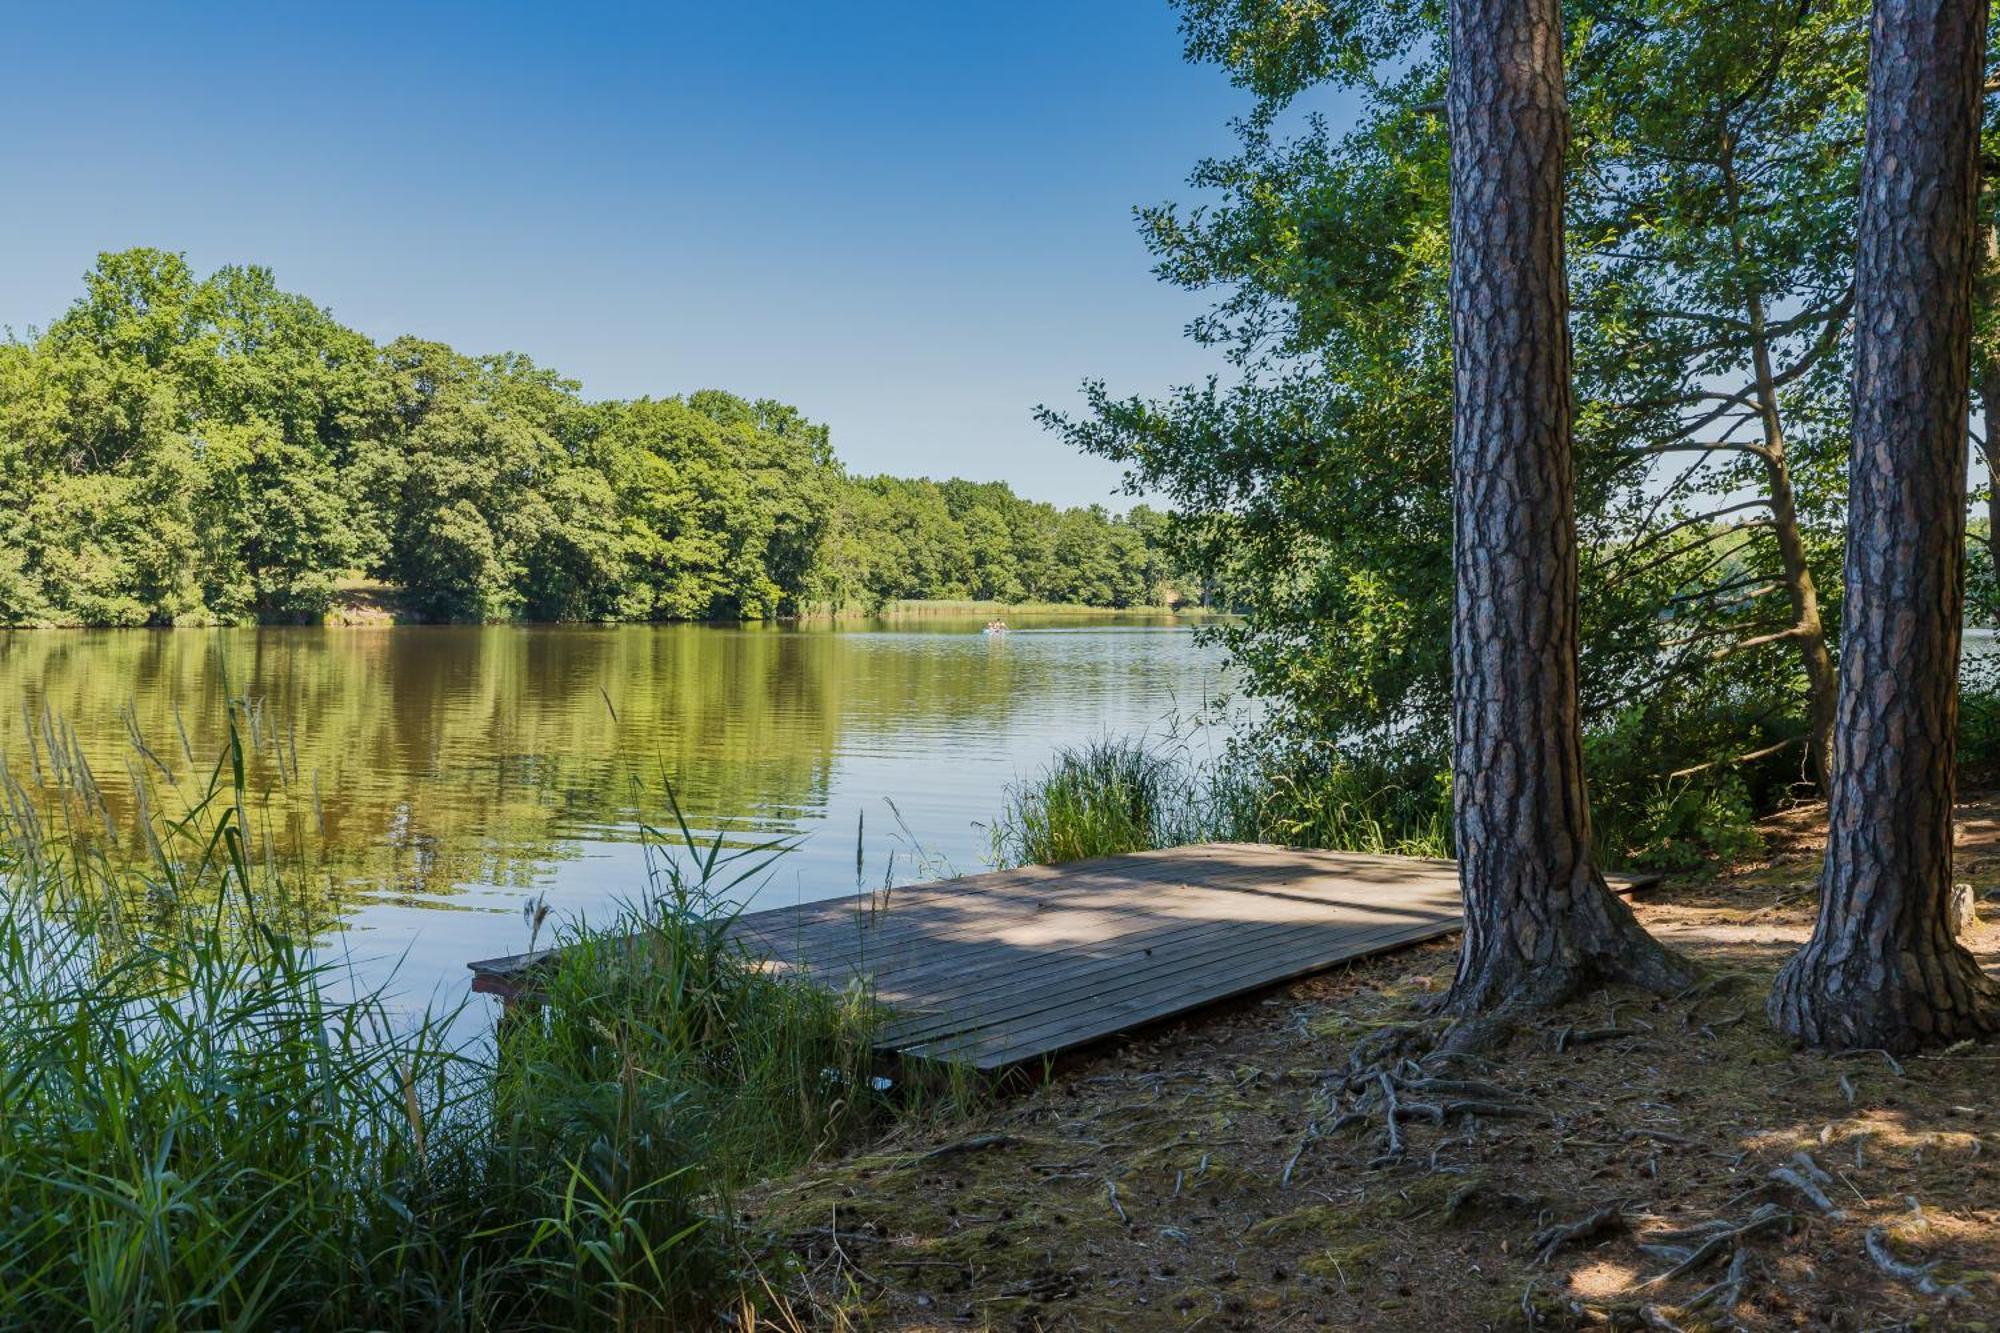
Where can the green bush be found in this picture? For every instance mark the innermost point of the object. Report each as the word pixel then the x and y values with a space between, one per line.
pixel 1979 723
pixel 1305 796
pixel 1681 824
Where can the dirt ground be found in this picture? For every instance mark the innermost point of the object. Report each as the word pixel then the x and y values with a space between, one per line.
pixel 1203 1175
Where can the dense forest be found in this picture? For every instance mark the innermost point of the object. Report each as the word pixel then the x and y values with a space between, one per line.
pixel 180 450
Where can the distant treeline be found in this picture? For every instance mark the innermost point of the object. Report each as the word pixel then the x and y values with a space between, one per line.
pixel 178 450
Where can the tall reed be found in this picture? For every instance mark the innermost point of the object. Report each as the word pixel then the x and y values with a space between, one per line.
pixel 1120 795
pixel 206 1126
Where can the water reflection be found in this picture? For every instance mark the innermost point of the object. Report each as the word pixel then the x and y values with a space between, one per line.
pixel 466 767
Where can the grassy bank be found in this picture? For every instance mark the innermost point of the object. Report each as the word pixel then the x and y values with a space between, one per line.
pixel 1118 795
pixel 206 1128
pixel 1121 795
pixel 369 602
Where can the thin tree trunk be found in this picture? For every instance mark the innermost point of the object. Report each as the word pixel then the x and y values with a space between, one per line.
pixel 1540 924
pixel 1989 403
pixel 1883 967
pixel 1822 683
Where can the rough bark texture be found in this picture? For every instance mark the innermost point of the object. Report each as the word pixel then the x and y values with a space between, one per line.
pixel 1882 968
pixel 1539 922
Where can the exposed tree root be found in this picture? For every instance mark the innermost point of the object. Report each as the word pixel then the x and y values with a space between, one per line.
pixel 1715 1238
pixel 1913 1273
pixel 1727 1294
pixel 1392 1062
pixel 1610 1218
pixel 1805 1178
pixel 1919 1276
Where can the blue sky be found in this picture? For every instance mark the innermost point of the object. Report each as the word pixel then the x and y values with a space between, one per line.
pixel 912 220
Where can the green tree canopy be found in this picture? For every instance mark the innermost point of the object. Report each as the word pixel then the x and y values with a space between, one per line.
pixel 186 450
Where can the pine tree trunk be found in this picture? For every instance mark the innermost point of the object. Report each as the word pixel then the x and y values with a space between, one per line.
pixel 1882 967
pixel 1539 922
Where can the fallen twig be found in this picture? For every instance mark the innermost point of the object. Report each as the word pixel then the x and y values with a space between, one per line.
pixel 1611 1033
pixel 1460 1087
pixel 1496 1110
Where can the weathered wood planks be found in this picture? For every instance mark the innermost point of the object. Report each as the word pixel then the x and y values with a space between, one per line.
pixel 996 969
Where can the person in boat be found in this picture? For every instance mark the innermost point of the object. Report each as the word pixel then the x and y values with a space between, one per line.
pixel 996 627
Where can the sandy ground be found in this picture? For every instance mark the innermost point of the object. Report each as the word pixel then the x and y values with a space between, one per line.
pixel 1200 1176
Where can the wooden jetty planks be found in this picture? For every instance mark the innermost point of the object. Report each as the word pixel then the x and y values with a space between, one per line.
pixel 995 969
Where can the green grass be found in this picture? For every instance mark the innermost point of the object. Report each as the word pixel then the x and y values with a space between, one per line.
pixel 1122 795
pixel 1097 799
pixel 1307 799
pixel 203 1129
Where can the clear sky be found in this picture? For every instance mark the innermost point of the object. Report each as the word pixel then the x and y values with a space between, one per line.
pixel 910 219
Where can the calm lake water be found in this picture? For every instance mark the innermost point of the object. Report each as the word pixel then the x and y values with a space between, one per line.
pixel 445 775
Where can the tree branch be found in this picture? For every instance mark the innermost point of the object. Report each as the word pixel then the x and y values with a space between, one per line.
pixel 1749 757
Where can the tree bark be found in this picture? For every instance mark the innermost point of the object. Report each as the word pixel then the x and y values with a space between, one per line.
pixel 1989 403
pixel 1882 967
pixel 1822 682
pixel 1539 923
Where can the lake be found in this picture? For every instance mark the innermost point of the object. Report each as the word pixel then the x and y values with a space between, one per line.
pixel 443 776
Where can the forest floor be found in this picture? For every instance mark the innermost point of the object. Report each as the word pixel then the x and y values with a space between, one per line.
pixel 1194 1177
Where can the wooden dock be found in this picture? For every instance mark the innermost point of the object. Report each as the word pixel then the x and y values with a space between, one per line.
pixel 996 969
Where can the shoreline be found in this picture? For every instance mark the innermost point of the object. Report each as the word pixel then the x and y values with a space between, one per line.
pixel 366 615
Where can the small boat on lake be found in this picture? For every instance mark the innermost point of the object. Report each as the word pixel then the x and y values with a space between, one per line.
pixel 995 627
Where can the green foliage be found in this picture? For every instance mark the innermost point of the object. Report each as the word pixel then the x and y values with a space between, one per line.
pixel 1313 796
pixel 1712 183
pixel 205 1129
pixel 1680 824
pixel 176 450
pixel 899 539
pixel 1129 794
pixel 1099 799
pixel 1979 722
